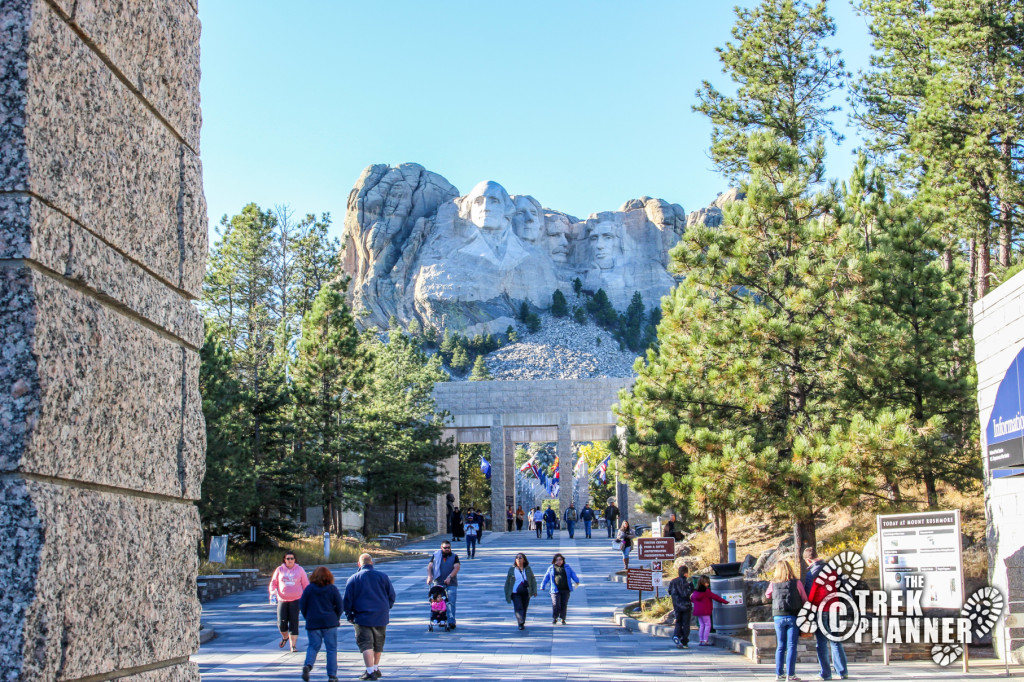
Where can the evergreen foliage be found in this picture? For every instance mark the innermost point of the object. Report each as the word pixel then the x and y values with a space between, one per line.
pixel 559 306
pixel 480 371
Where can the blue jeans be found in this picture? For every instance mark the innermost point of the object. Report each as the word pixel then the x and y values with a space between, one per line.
pixel 824 644
pixel 571 525
pixel 453 592
pixel 786 634
pixel 471 546
pixel 609 525
pixel 586 527
pixel 551 529
pixel 328 637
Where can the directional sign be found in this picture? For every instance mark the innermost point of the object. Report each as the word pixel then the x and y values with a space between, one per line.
pixel 656 548
pixel 639 579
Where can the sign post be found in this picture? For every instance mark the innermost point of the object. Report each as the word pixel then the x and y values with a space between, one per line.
pixel 639 579
pixel 926 544
pixel 219 549
pixel 252 546
pixel 649 549
pixel 327 545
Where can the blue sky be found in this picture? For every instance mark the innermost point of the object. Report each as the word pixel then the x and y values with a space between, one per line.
pixel 581 104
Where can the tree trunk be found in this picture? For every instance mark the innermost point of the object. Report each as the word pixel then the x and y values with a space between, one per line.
pixel 722 533
pixel 972 276
pixel 1006 211
pixel 930 488
pixel 804 536
pixel 984 262
pixel 395 514
pixel 895 494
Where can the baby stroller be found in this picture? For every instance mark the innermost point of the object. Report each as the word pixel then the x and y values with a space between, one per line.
pixel 438 617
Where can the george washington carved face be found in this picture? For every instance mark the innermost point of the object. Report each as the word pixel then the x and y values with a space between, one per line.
pixel 488 206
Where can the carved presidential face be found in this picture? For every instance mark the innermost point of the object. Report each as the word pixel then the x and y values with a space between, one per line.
pixel 529 218
pixel 605 243
pixel 556 235
pixel 489 206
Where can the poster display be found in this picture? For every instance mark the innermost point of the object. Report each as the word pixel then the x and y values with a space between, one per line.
pixel 1004 434
pixel 926 543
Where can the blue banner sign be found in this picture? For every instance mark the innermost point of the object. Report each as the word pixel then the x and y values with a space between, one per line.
pixel 1005 432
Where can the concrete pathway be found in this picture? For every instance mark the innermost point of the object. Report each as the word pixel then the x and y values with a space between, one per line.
pixel 487 645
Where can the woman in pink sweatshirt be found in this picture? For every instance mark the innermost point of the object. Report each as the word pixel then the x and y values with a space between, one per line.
pixel 703 599
pixel 286 587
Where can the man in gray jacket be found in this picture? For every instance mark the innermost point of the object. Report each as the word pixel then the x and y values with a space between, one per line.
pixel 443 569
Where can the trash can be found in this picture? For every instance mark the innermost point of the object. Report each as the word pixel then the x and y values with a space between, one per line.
pixel 728 583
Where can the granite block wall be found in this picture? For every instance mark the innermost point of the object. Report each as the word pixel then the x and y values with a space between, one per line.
pixel 103 241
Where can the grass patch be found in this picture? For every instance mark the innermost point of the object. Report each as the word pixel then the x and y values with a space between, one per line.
pixel 309 551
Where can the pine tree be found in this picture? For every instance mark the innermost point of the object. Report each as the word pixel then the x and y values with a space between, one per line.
pixel 511 334
pixel 784 74
pixel 329 375
pixel 577 286
pixel 559 306
pixel 460 359
pixel 480 371
pixel 633 324
pixel 579 315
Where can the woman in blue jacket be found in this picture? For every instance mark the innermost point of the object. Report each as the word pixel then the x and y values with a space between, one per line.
pixel 321 606
pixel 561 577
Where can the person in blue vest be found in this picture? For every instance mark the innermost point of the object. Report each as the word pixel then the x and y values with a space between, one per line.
pixel 549 521
pixel 587 517
pixel 571 516
pixel 443 569
pixel 369 596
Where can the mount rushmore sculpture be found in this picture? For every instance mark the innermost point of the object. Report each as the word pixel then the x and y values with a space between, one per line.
pixel 418 250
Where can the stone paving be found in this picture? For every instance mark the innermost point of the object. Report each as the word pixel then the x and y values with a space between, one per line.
pixel 487 646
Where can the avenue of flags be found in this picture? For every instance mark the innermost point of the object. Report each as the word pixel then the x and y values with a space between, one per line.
pixel 552 483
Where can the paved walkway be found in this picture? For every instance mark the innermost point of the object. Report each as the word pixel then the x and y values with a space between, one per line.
pixel 487 645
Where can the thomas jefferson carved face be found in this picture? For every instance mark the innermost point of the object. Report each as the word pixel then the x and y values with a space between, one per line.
pixel 605 242
pixel 557 237
pixel 488 206
pixel 529 218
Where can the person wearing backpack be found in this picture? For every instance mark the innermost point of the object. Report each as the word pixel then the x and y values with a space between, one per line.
pixel 680 588
pixel 787 595
pixel 570 519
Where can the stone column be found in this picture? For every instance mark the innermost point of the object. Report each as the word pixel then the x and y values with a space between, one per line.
pixel 564 450
pixel 103 239
pixel 497 475
pixel 510 476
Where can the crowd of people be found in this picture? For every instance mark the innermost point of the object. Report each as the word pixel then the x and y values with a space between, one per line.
pixel 368 595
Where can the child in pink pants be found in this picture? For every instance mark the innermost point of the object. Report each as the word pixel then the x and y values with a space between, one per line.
pixel 703 600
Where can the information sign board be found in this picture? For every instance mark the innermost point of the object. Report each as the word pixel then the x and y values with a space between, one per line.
pixel 639 579
pixel 656 548
pixel 657 579
pixel 1004 434
pixel 219 549
pixel 927 543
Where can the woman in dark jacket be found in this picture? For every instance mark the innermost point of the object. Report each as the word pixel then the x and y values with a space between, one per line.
pixel 458 532
pixel 520 585
pixel 787 595
pixel 560 577
pixel 321 606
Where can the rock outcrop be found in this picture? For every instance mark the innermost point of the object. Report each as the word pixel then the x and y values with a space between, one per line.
pixel 417 250
pixel 712 215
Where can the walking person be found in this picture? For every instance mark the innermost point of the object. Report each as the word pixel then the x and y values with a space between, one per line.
pixel 538 520
pixel 520 515
pixel 443 569
pixel 824 645
pixel 549 521
pixel 472 529
pixel 703 605
pixel 510 519
pixel 680 588
pixel 587 517
pixel 570 519
pixel 478 518
pixel 787 595
pixel 611 517
pixel 457 527
pixel 624 539
pixel 560 577
pixel 286 586
pixel 369 596
pixel 321 606
pixel 520 585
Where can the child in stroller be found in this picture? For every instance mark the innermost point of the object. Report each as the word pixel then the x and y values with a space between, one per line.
pixel 438 607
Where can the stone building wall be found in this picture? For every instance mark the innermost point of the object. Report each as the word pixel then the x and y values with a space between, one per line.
pixel 998 338
pixel 103 240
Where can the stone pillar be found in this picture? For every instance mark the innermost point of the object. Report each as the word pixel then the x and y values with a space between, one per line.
pixel 103 239
pixel 497 475
pixel 564 450
pixel 510 477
